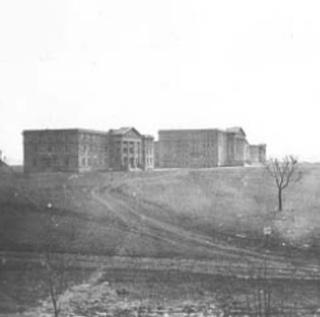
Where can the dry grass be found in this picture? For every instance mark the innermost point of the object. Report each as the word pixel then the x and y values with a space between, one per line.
pixel 230 201
pixel 235 201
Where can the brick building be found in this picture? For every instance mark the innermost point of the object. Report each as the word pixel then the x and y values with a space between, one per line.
pixel 130 150
pixel 148 155
pixel 203 148
pixel 79 150
pixel 257 153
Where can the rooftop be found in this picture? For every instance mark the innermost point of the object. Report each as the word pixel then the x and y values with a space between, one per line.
pixel 123 131
pixel 237 130
pixel 65 131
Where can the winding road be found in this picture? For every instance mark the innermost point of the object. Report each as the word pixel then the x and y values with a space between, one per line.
pixel 133 213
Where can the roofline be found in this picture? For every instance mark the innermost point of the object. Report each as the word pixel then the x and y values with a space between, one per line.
pixel 114 131
pixel 148 136
pixel 190 130
pixel 260 144
pixel 204 129
pixel 232 130
pixel 79 130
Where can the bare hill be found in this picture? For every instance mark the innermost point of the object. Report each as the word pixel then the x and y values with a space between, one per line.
pixel 182 213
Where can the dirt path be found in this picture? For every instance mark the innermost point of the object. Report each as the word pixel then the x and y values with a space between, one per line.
pixel 210 267
pixel 132 213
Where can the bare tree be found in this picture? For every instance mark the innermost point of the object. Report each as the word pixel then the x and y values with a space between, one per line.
pixel 56 277
pixel 57 265
pixel 283 172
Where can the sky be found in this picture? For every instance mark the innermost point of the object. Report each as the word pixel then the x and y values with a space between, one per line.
pixel 166 64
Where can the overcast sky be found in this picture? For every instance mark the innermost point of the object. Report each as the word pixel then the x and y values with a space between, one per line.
pixel 162 64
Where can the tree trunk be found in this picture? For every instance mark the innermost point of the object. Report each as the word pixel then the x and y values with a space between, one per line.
pixel 55 308
pixel 280 199
pixel 54 300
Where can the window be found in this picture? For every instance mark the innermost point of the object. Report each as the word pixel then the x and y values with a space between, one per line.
pixel 46 162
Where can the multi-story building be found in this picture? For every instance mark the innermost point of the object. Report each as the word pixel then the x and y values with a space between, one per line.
pixel 148 159
pixel 257 153
pixel 156 154
pixel 125 148
pixel 79 150
pixel 130 150
pixel 203 148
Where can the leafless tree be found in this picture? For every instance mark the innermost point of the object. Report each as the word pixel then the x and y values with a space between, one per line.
pixel 56 265
pixel 283 172
pixel 56 277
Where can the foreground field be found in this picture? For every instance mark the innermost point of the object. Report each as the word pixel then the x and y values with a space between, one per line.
pixel 203 225
pixel 147 292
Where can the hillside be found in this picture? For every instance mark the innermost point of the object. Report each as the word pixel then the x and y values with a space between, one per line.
pixel 184 213
pixel 238 201
pixel 196 232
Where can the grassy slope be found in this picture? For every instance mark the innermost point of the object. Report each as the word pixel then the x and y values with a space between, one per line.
pixel 219 200
pixel 232 200
pixel 236 200
pixel 75 223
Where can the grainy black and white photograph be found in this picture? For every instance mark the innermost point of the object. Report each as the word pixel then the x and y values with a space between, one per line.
pixel 159 158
